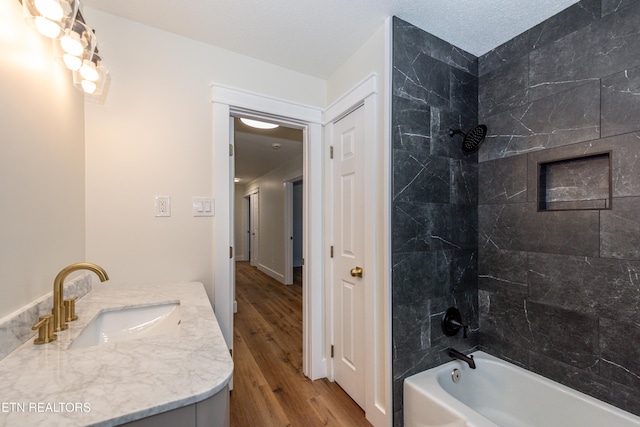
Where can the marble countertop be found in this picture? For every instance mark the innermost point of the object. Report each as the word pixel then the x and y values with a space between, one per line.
pixel 50 385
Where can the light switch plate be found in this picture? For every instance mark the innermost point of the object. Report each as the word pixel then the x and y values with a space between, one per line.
pixel 203 206
pixel 163 206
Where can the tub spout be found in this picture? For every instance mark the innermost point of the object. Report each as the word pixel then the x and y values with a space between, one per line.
pixel 455 354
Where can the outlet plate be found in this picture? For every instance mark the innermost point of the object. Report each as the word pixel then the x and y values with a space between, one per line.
pixel 163 206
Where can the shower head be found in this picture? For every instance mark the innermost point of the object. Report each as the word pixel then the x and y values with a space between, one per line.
pixel 472 139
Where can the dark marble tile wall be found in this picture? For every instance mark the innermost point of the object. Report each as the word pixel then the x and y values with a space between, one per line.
pixel 559 291
pixel 435 199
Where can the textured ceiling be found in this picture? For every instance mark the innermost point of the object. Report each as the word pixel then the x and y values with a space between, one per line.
pixel 315 37
pixel 255 155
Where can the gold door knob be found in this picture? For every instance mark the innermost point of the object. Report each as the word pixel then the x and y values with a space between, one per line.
pixel 356 272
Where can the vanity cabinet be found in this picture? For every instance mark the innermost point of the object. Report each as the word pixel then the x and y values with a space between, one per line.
pixel 211 412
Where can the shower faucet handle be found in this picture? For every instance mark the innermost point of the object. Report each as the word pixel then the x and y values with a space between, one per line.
pixel 452 322
pixel 465 328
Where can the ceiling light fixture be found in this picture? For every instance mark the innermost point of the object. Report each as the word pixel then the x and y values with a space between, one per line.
pixel 258 124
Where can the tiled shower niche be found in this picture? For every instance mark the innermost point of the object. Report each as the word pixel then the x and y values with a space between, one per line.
pixel 577 183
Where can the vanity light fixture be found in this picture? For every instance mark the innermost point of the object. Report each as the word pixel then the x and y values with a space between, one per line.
pixel 75 41
pixel 72 62
pixel 78 39
pixel 91 76
pixel 258 124
pixel 89 68
pixel 51 18
pixel 76 45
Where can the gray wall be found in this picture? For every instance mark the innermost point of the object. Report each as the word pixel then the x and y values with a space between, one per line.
pixel 559 291
pixel 434 219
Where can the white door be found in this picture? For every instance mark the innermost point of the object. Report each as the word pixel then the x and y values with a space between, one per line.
pixel 246 212
pixel 255 228
pixel 348 248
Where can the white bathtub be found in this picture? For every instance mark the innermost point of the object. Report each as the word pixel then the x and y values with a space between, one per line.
pixel 498 393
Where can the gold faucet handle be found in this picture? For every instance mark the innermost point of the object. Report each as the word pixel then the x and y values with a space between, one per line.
pixel 45 330
pixel 70 309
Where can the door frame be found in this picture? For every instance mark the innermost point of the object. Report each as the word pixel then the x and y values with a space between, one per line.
pixel 229 102
pixel 377 344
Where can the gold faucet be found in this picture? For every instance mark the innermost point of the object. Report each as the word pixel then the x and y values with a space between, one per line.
pixel 59 320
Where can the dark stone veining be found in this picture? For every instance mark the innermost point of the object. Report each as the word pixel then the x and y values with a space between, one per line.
pixel 569 20
pixel 559 291
pixel 502 180
pixel 587 54
pixel 556 292
pixel 621 102
pixel 620 230
pixel 561 119
pixel 613 6
pixel 435 197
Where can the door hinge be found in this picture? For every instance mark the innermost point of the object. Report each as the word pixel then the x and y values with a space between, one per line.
pixel 231 151
pixel 331 152
pixel 302 261
pixel 331 251
pixel 231 352
pixel 331 350
pixel 230 252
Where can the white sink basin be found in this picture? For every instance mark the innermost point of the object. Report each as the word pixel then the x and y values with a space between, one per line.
pixel 128 323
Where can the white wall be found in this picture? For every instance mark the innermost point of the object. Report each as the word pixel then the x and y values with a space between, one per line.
pixel 271 253
pixel 153 136
pixel 41 164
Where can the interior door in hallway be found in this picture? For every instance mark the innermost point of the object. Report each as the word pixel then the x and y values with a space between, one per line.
pixel 348 249
pixel 255 227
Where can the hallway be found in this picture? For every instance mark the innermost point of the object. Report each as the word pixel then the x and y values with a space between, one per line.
pixel 269 388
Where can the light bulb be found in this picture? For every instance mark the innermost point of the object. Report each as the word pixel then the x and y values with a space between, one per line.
pixel 47 27
pixel 88 86
pixel 71 43
pixel 88 71
pixel 50 9
pixel 72 62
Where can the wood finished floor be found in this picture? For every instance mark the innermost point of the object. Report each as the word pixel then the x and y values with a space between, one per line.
pixel 269 388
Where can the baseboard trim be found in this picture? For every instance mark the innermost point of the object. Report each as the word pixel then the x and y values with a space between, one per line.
pixel 271 273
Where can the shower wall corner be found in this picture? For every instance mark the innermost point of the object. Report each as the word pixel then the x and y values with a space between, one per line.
pixel 434 201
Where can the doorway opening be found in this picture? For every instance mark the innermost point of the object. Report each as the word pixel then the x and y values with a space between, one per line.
pixel 229 103
pixel 268 198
